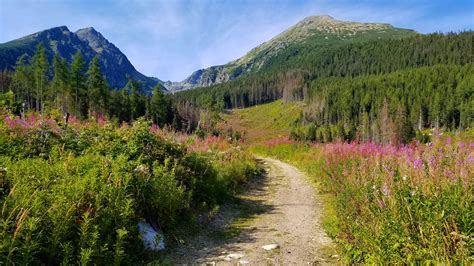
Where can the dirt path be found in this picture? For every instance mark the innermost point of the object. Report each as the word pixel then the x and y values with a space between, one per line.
pixel 281 208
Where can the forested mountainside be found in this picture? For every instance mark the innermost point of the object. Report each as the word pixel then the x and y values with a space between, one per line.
pixel 311 33
pixel 302 77
pixel 114 64
pixel 287 78
pixel 388 108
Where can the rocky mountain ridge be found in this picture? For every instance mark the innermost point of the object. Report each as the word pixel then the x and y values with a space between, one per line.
pixel 114 64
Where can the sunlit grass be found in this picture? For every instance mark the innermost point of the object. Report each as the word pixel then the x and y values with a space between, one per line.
pixel 264 122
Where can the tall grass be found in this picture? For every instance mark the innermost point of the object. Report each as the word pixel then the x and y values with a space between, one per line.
pixel 406 204
pixel 76 195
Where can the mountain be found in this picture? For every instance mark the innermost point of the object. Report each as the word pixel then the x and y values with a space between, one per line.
pixel 311 33
pixel 114 64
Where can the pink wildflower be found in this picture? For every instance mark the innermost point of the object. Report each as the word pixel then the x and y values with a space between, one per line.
pixel 418 163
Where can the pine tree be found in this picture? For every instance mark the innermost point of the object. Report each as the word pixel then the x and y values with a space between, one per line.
pixel 22 82
pixel 157 105
pixel 386 128
pixel 40 68
pixel 77 81
pixel 97 89
pixel 60 92
pixel 137 103
pixel 404 128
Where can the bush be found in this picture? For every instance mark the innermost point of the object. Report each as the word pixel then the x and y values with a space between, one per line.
pixel 77 195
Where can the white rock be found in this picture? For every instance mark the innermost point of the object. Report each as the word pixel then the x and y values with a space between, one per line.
pixel 244 262
pixel 270 247
pixel 235 256
pixel 151 238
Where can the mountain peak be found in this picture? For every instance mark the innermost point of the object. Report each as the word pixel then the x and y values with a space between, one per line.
pixel 94 38
pixel 328 24
pixel 318 18
pixel 114 64
pixel 55 31
pixel 62 28
pixel 311 33
pixel 89 33
pixel 88 30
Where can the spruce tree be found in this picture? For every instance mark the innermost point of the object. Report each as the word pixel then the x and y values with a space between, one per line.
pixel 40 68
pixel 137 103
pixel 157 105
pixel 22 82
pixel 77 81
pixel 60 84
pixel 97 89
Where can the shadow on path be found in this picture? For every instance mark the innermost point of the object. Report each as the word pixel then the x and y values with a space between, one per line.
pixel 229 228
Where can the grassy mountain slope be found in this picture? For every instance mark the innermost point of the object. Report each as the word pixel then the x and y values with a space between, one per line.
pixel 264 122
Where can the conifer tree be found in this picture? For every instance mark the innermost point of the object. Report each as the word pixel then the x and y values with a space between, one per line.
pixel 77 81
pixel 97 89
pixel 60 92
pixel 40 68
pixel 157 105
pixel 137 102
pixel 23 82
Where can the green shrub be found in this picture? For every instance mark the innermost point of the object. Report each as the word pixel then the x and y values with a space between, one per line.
pixel 77 195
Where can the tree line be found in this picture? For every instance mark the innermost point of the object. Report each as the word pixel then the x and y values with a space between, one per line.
pixel 79 89
pixel 388 108
pixel 288 74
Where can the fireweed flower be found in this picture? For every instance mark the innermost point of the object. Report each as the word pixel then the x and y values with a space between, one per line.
pixel 101 120
pixel 449 140
pixel 431 160
pixel 418 163
pixel 381 203
pixel 448 173
pixel 470 159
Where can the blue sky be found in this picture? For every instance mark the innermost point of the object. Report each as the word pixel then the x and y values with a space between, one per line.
pixel 170 39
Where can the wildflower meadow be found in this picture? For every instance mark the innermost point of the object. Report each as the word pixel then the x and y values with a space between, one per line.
pixel 411 203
